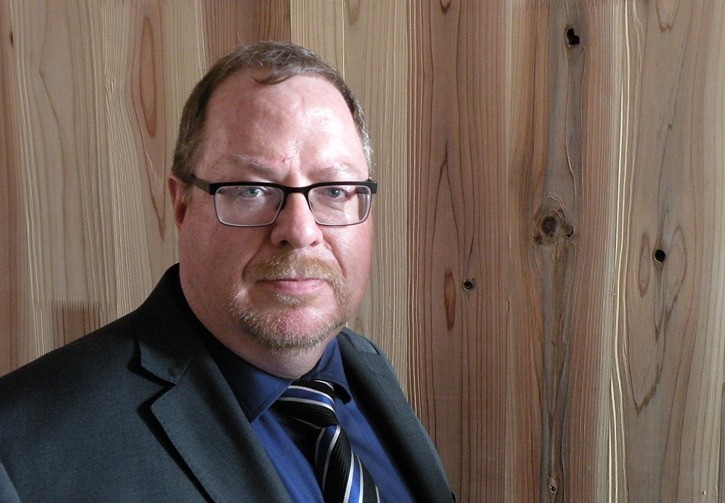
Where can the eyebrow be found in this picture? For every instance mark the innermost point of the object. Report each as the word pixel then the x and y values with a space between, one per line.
pixel 247 161
pixel 265 170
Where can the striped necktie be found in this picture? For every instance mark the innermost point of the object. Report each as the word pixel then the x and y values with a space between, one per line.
pixel 342 476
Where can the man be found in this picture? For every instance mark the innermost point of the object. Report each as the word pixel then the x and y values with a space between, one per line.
pixel 195 396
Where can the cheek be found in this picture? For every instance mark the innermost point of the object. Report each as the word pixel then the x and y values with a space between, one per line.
pixel 195 235
pixel 355 256
pixel 212 250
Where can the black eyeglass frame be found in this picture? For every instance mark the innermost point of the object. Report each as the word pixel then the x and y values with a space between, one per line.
pixel 212 187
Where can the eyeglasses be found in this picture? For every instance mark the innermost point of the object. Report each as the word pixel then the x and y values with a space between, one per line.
pixel 255 204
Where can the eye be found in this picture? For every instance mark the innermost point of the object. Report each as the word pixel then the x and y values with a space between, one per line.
pixel 336 193
pixel 249 195
pixel 250 192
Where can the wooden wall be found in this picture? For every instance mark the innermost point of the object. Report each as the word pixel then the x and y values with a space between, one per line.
pixel 549 272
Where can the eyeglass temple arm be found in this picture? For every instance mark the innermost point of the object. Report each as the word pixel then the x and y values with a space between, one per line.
pixel 202 184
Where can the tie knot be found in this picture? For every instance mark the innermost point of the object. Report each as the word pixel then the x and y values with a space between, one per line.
pixel 317 386
pixel 311 401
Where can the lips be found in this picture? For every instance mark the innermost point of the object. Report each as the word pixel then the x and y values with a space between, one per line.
pixel 297 288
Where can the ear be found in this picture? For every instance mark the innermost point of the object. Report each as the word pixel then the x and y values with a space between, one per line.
pixel 179 203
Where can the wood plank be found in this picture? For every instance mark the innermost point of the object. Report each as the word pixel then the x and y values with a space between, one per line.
pixel 458 235
pixel 319 25
pixel 13 238
pixel 673 384
pixel 590 73
pixel 274 20
pixel 526 137
pixel 54 142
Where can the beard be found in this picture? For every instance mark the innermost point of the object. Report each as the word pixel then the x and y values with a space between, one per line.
pixel 291 321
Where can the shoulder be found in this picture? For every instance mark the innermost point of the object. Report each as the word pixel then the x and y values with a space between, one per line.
pixel 94 373
pixel 362 357
pixel 91 355
pixel 92 360
pixel 62 389
pixel 53 410
pixel 353 341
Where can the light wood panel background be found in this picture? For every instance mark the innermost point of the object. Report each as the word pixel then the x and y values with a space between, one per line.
pixel 549 272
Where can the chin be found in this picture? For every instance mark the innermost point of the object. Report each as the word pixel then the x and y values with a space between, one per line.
pixel 286 329
pixel 289 341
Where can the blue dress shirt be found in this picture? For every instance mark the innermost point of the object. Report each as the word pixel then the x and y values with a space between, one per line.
pixel 290 444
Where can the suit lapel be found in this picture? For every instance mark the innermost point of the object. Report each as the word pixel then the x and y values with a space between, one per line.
pixel 409 445
pixel 209 431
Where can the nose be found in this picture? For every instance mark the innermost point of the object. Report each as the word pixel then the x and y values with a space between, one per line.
pixel 295 224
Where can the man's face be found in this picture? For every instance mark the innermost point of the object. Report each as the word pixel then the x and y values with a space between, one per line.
pixel 291 284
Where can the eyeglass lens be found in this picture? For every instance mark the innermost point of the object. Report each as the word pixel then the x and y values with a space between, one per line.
pixel 255 205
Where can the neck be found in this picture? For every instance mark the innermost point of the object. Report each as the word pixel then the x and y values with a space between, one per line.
pixel 288 363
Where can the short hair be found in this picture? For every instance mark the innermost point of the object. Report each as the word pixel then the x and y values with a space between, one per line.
pixel 281 60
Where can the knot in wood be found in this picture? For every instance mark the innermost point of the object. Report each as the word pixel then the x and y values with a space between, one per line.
pixel 553 486
pixel 572 39
pixel 551 227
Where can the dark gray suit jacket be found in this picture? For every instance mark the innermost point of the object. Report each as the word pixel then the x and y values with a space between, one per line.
pixel 138 412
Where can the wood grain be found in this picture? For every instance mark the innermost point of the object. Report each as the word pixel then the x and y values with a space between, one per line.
pixel 320 25
pixel 457 232
pixel 54 141
pixel 671 399
pixel 13 239
pixel 530 247
pixel 274 20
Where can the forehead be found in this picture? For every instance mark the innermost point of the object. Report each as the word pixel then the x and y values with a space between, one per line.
pixel 302 120
pixel 240 94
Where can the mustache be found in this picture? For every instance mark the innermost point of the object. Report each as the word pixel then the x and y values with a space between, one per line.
pixel 290 265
